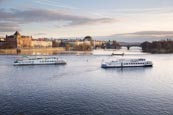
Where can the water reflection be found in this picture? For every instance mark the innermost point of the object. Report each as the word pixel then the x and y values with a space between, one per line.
pixel 54 52
pixel 128 70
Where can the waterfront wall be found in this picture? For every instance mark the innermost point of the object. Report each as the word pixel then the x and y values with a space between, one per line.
pixel 32 51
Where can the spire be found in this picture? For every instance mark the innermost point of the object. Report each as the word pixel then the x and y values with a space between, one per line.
pixel 16 33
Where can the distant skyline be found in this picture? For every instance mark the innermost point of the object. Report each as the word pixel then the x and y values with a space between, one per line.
pixel 78 18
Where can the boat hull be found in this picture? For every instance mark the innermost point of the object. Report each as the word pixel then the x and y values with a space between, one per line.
pixel 106 66
pixel 17 64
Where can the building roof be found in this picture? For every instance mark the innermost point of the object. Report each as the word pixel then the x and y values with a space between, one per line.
pixel 88 38
pixel 16 33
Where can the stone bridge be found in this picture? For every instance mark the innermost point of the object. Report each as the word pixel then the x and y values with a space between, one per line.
pixel 129 45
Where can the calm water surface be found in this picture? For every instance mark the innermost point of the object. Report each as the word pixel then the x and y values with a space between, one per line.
pixel 83 88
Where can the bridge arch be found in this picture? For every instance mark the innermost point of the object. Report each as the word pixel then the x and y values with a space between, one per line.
pixel 131 46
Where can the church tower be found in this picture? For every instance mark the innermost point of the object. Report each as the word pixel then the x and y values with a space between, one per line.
pixel 18 38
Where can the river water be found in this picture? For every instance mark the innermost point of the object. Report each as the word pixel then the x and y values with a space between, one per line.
pixel 83 88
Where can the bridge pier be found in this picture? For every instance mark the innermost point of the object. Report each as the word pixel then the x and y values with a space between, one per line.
pixel 128 47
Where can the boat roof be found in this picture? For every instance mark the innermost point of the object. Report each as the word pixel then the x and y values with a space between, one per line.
pixel 127 59
pixel 36 57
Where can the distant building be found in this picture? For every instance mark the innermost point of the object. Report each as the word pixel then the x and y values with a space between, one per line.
pixel 2 42
pixel 40 43
pixel 112 45
pixel 56 43
pixel 95 43
pixel 18 41
pixel 76 42
pixel 72 42
pixel 88 40
pixel 99 43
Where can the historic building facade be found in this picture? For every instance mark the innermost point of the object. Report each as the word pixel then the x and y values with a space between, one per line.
pixel 18 41
pixel 39 43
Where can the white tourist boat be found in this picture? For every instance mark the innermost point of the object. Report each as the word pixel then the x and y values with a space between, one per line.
pixel 39 61
pixel 122 63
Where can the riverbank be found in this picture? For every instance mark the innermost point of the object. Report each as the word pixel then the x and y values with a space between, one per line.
pixel 157 51
pixel 32 51
pixel 54 51
pixel 158 47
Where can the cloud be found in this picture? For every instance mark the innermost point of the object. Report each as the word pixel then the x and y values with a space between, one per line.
pixel 142 36
pixel 41 16
pixel 51 15
pixel 149 34
pixel 154 32
pixel 39 34
pixel 8 27
pixel 54 4
pixel 135 12
pixel 143 11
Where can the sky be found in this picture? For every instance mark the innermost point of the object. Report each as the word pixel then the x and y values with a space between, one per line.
pixel 121 19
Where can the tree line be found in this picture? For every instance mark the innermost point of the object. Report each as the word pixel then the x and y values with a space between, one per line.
pixel 163 46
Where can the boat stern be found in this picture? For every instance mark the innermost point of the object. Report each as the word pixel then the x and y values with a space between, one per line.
pixel 103 65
